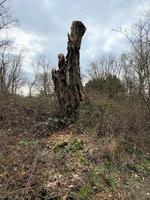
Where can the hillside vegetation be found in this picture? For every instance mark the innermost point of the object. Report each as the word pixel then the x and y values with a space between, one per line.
pixel 69 139
pixel 104 154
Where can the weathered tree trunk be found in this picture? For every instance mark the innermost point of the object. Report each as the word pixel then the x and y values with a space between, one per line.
pixel 67 79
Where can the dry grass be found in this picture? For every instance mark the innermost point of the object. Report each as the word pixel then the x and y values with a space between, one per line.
pixel 23 112
pixel 104 155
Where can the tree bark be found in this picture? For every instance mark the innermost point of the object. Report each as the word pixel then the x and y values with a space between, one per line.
pixel 67 79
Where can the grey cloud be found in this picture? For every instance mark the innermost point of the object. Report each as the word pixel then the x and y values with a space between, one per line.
pixel 52 18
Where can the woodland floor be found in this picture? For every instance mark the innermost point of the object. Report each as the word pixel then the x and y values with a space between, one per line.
pixel 67 165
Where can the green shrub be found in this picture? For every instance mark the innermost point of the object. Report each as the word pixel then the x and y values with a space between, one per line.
pixel 77 145
pixel 1 156
pixel 109 85
pixel 84 193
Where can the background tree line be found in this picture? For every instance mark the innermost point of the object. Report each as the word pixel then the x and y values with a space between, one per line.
pixel 128 73
pixel 110 75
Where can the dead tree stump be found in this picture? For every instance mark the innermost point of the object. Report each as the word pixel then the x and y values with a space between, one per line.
pixel 67 79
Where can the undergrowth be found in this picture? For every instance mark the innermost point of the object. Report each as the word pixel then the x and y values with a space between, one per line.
pixel 104 154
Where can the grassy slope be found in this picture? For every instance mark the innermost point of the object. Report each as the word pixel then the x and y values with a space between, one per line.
pixel 96 158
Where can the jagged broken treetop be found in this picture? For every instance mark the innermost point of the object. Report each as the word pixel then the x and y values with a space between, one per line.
pixel 67 79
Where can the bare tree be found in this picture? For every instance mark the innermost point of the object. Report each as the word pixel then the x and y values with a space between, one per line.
pixel 31 84
pixel 5 19
pixel 11 78
pixel 128 74
pixel 44 79
pixel 139 39
pixel 32 80
pixel 103 66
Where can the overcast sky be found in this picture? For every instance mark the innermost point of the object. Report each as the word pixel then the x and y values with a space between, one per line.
pixel 44 24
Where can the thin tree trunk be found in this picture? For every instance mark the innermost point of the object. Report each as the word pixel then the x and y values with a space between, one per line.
pixel 67 79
